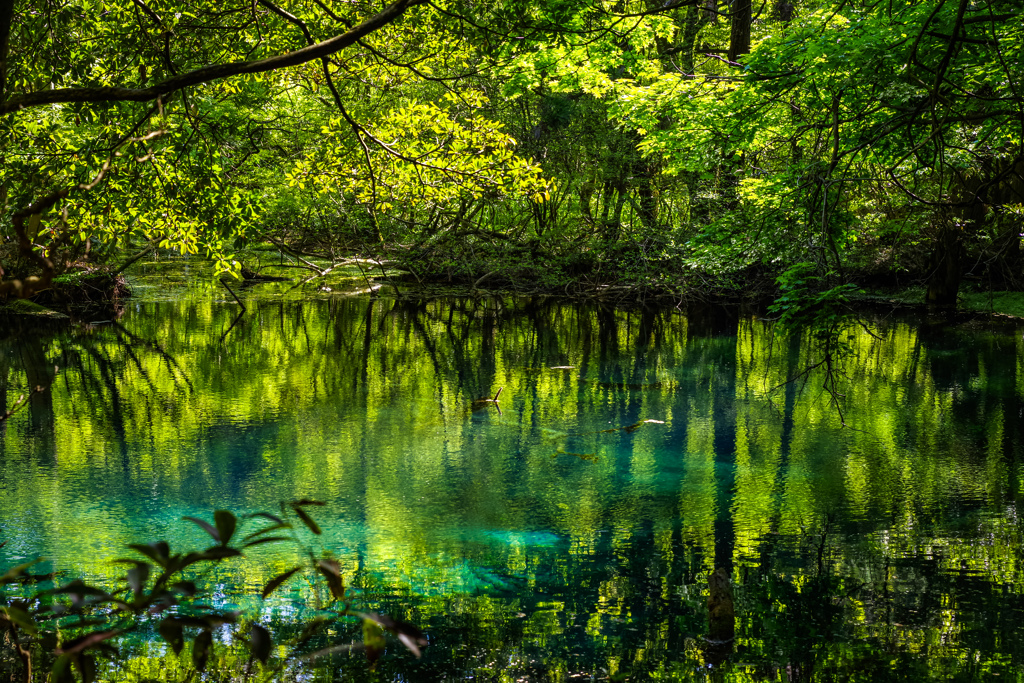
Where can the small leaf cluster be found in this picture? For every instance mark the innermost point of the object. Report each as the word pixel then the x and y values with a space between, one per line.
pixel 71 629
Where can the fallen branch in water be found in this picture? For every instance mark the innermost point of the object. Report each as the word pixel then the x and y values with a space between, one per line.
pixel 284 249
pixel 476 285
pixel 142 254
pixel 320 272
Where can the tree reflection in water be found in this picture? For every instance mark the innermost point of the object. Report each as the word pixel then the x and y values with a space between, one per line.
pixel 732 532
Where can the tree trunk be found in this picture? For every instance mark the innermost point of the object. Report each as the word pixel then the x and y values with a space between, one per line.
pixel 691 26
pixel 784 11
pixel 645 178
pixel 945 276
pixel 586 195
pixel 6 15
pixel 739 35
pixel 718 644
pixel 611 225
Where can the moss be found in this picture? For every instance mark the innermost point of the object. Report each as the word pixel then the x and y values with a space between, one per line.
pixel 1007 303
pixel 73 279
pixel 30 308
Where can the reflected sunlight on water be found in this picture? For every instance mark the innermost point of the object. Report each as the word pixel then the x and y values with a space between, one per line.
pixel 574 525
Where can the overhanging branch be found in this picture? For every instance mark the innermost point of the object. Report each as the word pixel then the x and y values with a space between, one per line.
pixel 212 72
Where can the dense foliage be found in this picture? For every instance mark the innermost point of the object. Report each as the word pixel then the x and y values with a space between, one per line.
pixel 798 149
pixel 669 146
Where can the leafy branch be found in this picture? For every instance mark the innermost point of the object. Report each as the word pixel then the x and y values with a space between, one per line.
pixel 70 627
pixel 211 72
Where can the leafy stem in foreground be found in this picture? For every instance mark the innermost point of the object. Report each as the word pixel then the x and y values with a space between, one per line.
pixel 69 628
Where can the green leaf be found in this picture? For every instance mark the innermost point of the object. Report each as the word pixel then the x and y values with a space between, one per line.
pixel 20 617
pixel 307 501
pixel 331 571
pixel 373 640
pixel 137 577
pixel 61 671
pixel 307 520
pixel 226 524
pixel 172 632
pixel 180 563
pixel 14 573
pixel 220 552
pixel 205 526
pixel 84 642
pixel 409 635
pixel 260 643
pixel 268 539
pixel 275 582
pixel 201 647
pixel 267 515
pixel 159 552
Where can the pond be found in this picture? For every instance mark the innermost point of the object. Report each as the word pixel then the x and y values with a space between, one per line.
pixel 571 530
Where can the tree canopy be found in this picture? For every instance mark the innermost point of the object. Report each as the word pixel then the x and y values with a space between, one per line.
pixel 670 146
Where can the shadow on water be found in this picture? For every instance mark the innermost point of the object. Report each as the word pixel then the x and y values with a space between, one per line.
pixel 652 499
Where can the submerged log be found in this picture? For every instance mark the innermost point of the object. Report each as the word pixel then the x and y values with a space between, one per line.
pixel 721 610
pixel 485 402
pixel 489 400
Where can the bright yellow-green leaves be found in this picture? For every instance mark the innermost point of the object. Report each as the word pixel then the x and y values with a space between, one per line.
pixel 595 67
pixel 147 185
pixel 421 154
pixel 628 109
pixel 406 143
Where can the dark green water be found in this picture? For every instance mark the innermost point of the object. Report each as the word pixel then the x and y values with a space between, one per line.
pixel 570 535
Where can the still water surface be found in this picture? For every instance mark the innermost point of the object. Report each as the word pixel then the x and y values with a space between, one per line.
pixel 570 532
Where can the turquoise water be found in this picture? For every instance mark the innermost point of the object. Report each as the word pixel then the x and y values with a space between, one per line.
pixel 568 532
